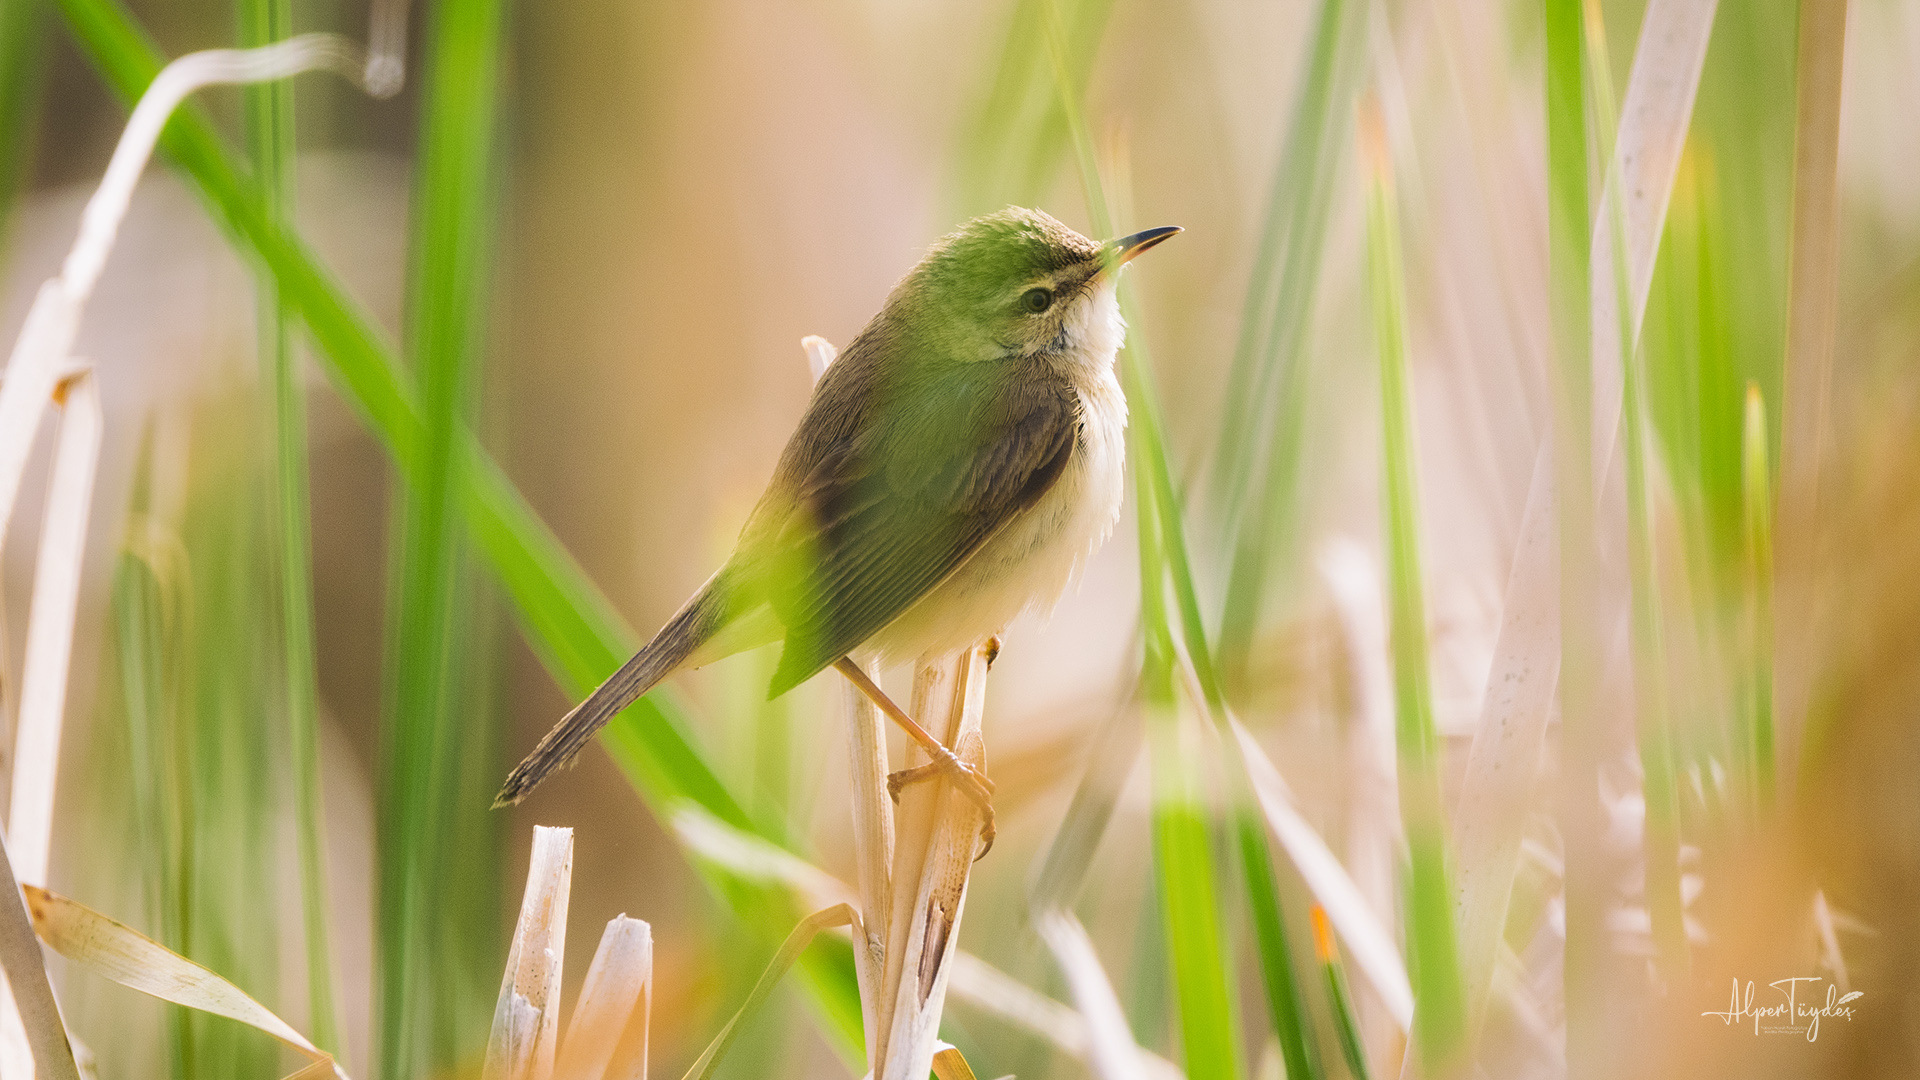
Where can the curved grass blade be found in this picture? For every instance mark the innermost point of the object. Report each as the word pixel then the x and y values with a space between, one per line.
pixel 1257 462
pixel 790 950
pixel 1440 1013
pixel 1660 840
pixel 270 138
pixel 427 649
pixel 1344 1022
pixel 1111 1051
pixel 1163 552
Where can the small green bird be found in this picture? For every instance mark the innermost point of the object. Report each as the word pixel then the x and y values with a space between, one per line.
pixel 958 464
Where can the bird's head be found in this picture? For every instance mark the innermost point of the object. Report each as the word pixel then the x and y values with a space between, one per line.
pixel 1018 283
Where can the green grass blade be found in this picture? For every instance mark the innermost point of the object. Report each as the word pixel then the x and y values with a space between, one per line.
pixel 148 689
pixel 1256 460
pixel 1313 134
pixel 1183 855
pixel 228 762
pixel 568 622
pixel 1660 840
pixel 1569 237
pixel 1440 1013
pixel 1344 1021
pixel 424 721
pixel 1166 555
pixel 23 40
pixel 1014 143
pixel 270 138
pixel 1183 861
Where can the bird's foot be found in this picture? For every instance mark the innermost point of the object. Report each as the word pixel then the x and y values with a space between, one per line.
pixel 969 781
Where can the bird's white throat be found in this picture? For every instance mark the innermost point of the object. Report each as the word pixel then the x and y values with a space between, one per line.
pixel 1029 564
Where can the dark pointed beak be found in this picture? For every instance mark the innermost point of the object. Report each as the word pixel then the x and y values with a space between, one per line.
pixel 1122 249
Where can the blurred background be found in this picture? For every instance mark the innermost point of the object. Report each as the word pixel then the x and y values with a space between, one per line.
pixel 657 201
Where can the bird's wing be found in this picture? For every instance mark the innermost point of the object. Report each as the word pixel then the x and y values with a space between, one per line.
pixel 880 519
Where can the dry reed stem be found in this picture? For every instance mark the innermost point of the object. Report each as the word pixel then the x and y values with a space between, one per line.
pixel 1813 297
pixel 935 843
pixel 1504 760
pixel 873 836
pixel 527 1017
pixel 607 1035
pixel 1667 63
pixel 48 658
pixel 994 991
pixel 36 1013
pixel 1112 1053
pixel 50 624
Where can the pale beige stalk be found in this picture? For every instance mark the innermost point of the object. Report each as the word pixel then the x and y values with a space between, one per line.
pixel 935 844
pixel 873 840
pixel 50 623
pixel 1813 299
pixel 1112 1053
pixel 526 1020
pixel 607 1035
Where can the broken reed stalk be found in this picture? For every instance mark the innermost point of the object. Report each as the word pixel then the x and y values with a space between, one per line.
pixel 935 840
pixel 873 838
pixel 50 624
pixel 36 1014
pixel 526 1021
pixel 607 1036
pixel 49 654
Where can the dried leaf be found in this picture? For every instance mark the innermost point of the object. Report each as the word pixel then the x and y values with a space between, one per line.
pixel 134 960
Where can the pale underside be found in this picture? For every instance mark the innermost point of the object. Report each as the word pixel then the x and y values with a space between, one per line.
pixel 1029 563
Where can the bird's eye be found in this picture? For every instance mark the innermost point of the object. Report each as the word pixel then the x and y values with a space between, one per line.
pixel 1036 300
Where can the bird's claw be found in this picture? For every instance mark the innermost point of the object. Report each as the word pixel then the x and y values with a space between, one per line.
pixel 968 780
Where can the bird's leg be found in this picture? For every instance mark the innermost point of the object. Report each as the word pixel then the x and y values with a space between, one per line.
pixel 970 781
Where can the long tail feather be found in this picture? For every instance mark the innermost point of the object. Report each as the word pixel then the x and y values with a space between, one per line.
pixel 701 618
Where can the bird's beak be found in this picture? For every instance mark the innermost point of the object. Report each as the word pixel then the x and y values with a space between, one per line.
pixel 1119 251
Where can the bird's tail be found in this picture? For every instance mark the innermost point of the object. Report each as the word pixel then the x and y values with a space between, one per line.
pixel 692 626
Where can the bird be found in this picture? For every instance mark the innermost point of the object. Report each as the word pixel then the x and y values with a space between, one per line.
pixel 957 465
